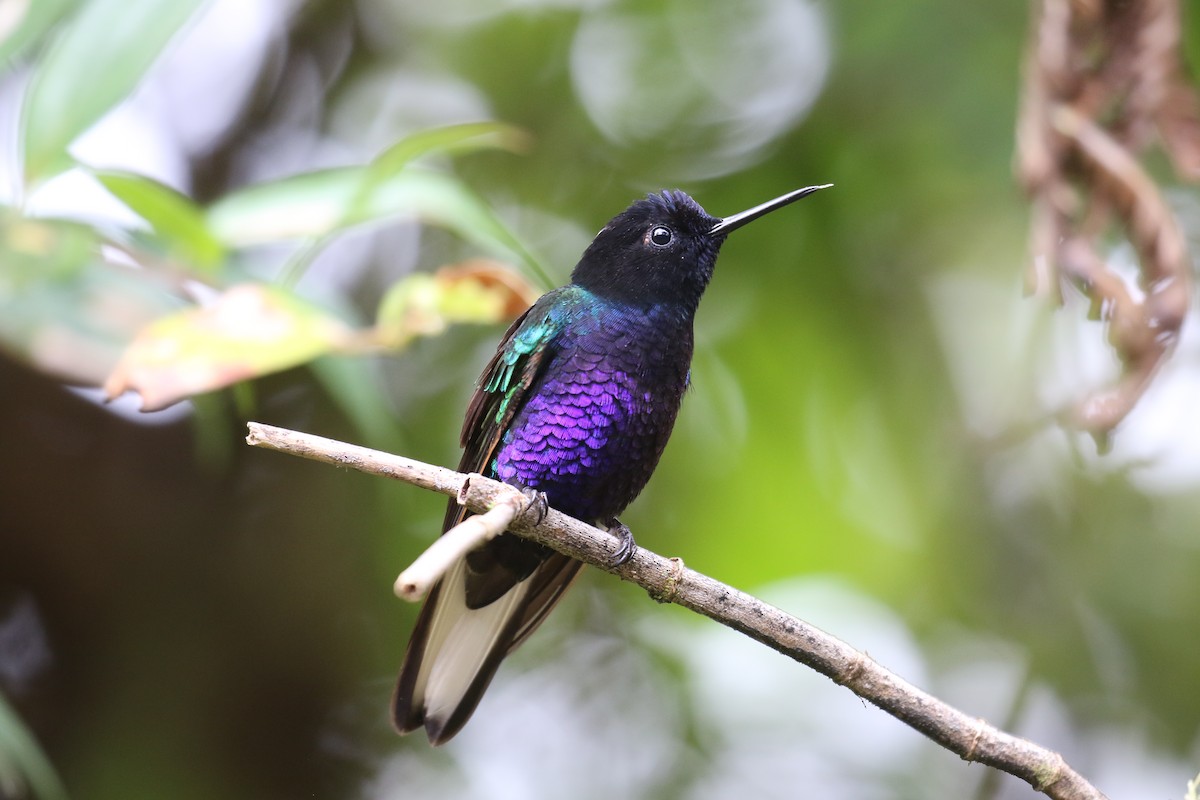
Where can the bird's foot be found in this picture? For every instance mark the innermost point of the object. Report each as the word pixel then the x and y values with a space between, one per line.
pixel 538 506
pixel 625 543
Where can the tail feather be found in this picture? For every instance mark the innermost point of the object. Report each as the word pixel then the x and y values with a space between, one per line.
pixel 455 650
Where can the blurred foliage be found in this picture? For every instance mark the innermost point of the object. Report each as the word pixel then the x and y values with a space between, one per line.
pixel 296 201
pixel 24 768
pixel 110 282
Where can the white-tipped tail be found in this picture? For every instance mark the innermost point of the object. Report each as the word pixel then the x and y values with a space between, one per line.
pixel 459 644
pixel 455 650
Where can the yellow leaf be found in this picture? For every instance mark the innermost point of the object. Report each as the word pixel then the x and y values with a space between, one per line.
pixel 476 291
pixel 250 330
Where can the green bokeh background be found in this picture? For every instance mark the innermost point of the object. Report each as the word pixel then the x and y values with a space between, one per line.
pixel 216 621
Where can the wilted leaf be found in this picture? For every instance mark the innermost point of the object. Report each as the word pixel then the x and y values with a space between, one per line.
pixel 178 223
pixel 1179 128
pixel 251 330
pixel 83 73
pixel 476 291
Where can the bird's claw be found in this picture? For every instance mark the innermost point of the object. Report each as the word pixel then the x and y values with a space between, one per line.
pixel 625 543
pixel 538 505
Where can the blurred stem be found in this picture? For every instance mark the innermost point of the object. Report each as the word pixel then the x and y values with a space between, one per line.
pixel 22 760
pixel 212 435
pixel 301 260
pixel 667 580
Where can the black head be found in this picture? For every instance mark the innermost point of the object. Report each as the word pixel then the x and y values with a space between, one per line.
pixel 662 249
pixel 658 250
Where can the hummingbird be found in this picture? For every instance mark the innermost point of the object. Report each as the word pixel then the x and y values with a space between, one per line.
pixel 575 408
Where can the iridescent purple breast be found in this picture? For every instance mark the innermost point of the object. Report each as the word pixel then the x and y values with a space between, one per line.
pixel 594 426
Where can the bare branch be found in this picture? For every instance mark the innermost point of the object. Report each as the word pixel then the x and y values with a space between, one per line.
pixel 668 580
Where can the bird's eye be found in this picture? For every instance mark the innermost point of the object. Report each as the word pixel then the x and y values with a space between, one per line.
pixel 660 236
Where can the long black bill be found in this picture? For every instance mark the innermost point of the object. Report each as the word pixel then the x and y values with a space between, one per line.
pixel 738 220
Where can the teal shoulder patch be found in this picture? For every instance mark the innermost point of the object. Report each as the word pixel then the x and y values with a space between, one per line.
pixel 544 322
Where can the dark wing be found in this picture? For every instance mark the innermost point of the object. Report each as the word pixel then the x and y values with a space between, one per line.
pixel 502 389
pixel 505 383
pixel 494 598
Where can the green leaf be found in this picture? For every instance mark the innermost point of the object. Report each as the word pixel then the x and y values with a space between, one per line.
pixel 466 138
pixel 37 17
pixel 300 206
pixel 447 202
pixel 95 62
pixel 179 224
pixel 316 204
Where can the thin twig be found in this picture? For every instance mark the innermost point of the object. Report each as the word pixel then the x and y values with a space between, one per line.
pixel 668 580
pixel 455 543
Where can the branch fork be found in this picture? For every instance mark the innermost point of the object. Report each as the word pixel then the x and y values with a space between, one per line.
pixel 416 581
